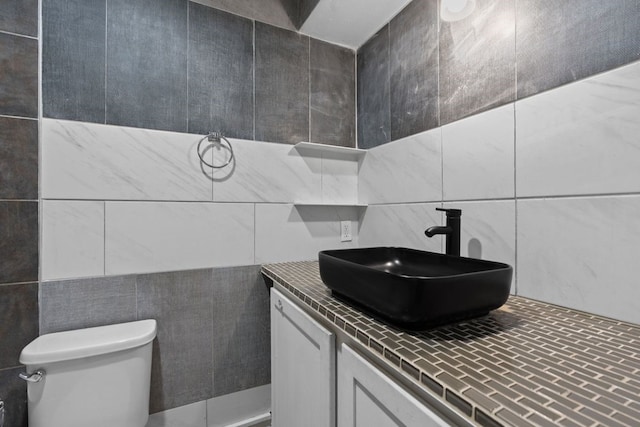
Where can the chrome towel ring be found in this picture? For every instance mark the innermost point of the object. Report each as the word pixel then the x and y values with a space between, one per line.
pixel 215 139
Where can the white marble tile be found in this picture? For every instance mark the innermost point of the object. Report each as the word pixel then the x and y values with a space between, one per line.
pixel 581 138
pixel 339 179
pixel 581 253
pixel 401 225
pixel 146 237
pixel 193 415
pixel 236 408
pixel 94 161
pixel 488 231
pixel 72 239
pixel 478 156
pixel 267 172
pixel 407 170
pixel 285 232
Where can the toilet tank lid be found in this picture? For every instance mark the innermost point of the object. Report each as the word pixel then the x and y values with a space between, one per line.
pixel 69 345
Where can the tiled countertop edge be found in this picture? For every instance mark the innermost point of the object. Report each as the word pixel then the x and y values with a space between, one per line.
pixel 552 366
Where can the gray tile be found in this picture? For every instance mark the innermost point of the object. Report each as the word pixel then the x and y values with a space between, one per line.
pixel 18 76
pixel 19 16
pixel 241 330
pixel 73 59
pixel 220 72
pixel 84 303
pixel 306 7
pixel 282 85
pixel 13 391
pixel 332 94
pixel 477 61
pixel 18 242
pixel 18 158
pixel 147 64
pixel 374 116
pixel 275 12
pixel 181 303
pixel 413 48
pixel 560 42
pixel 18 321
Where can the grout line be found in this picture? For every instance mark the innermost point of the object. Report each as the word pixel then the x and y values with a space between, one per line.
pixel 104 239
pixel 254 78
pixel 254 232
pixel 39 154
pixel 6 116
pixel 389 78
pixel 309 88
pixel 106 50
pixel 438 62
pixel 187 75
pixel 515 171
pixel 24 36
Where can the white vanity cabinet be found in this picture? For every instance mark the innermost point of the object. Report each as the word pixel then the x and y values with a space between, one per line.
pixel 303 368
pixel 304 389
pixel 367 397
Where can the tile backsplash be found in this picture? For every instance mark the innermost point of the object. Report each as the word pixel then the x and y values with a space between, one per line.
pixel 547 184
pixel 536 140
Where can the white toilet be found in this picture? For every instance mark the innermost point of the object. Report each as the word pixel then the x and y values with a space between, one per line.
pixel 98 377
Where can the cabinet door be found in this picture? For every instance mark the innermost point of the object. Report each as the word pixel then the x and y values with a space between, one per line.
pixel 367 397
pixel 302 368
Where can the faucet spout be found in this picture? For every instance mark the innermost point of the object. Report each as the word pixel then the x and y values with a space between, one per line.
pixel 451 230
pixel 437 229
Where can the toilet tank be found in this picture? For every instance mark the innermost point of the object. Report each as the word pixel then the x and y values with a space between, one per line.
pixel 98 377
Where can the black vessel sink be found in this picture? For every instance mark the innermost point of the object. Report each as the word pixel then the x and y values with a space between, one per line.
pixel 415 289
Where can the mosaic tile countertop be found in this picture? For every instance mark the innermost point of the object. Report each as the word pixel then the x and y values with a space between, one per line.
pixel 525 364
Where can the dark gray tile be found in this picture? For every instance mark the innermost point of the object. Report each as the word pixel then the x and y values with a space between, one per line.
pixel 18 158
pixel 19 16
pixel 282 85
pixel 181 303
pixel 374 116
pixel 275 12
pixel 477 61
pixel 13 391
pixel 84 303
pixel 147 64
pixel 560 42
pixel 332 94
pixel 458 402
pixel 306 7
pixel 18 321
pixel 241 330
pixel 73 59
pixel 18 76
pixel 413 48
pixel 220 72
pixel 18 242
pixel 292 9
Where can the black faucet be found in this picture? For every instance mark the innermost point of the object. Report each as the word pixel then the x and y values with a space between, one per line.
pixel 452 230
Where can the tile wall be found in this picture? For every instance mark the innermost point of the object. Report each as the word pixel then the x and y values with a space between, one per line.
pixel 544 170
pixel 134 227
pixel 182 66
pixel 18 197
pixel 419 72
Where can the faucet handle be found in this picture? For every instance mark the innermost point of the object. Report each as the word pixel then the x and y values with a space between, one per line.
pixel 451 213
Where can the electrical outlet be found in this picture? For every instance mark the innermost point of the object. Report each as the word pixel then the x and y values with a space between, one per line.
pixel 345 231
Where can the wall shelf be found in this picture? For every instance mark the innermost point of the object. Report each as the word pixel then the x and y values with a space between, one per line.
pixel 329 204
pixel 334 149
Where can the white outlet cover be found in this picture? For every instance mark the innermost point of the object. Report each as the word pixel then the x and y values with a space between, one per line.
pixel 345 231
